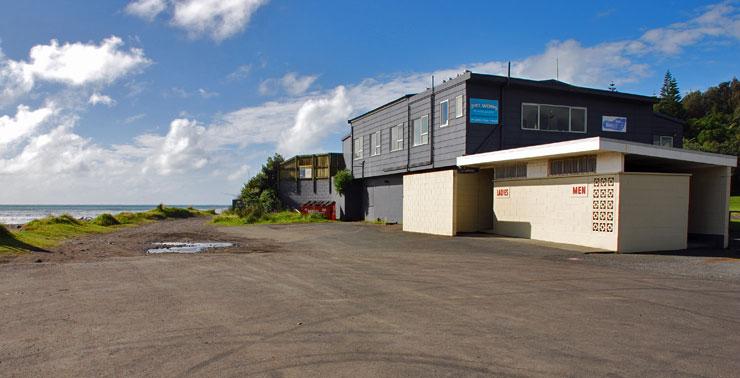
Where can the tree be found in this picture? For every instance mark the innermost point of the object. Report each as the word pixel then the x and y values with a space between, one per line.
pixel 670 98
pixel 342 181
pixel 266 179
pixel 713 119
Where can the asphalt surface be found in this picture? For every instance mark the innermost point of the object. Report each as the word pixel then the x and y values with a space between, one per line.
pixel 365 300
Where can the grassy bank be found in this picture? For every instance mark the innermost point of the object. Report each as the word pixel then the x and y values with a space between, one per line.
pixel 48 232
pixel 282 217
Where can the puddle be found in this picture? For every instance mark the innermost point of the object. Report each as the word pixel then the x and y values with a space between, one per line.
pixel 177 247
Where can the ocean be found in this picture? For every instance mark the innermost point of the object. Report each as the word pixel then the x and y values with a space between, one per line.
pixel 21 214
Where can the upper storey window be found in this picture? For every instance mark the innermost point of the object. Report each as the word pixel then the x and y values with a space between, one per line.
pixel 421 131
pixel 444 113
pixel 358 148
pixel 553 118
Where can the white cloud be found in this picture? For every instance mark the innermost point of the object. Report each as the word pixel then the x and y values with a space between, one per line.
pixel 146 9
pixel 97 98
pixel 73 64
pixel 291 83
pixel 217 19
pixel 239 174
pixel 242 72
pixel 296 85
pixel 24 123
pixel 180 150
pixel 315 120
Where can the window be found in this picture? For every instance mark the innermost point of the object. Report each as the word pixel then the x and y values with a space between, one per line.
pixel 459 106
pixel 397 137
pixel 305 172
pixel 574 165
pixel 662 140
pixel 553 118
pixel 375 143
pixel 510 171
pixel 444 113
pixel 421 131
pixel 358 148
pixel 530 117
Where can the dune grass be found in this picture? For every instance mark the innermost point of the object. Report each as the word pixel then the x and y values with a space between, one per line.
pixel 48 232
pixel 282 217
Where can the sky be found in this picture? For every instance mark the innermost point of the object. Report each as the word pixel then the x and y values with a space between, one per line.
pixel 181 101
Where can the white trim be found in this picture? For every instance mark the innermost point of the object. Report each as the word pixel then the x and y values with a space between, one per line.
pixel 446 121
pixel 421 134
pixel 570 128
pixel 377 148
pixel 361 150
pixel 462 106
pixel 594 145
pixel 400 138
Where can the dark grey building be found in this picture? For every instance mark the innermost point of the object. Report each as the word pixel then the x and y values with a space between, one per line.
pixel 429 130
pixel 305 178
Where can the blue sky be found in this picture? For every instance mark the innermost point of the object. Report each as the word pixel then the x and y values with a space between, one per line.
pixel 179 101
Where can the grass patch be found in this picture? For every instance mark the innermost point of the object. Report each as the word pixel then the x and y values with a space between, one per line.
pixel 282 217
pixel 735 203
pixel 48 232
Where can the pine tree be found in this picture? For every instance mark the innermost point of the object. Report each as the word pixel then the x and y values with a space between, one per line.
pixel 670 98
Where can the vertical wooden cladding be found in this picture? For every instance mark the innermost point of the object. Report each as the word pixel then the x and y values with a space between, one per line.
pixel 322 166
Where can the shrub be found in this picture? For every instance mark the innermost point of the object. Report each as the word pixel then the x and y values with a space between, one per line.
pixel 342 181
pixel 106 220
pixel 269 201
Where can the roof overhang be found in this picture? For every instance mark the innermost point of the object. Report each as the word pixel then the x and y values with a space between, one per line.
pixel 592 146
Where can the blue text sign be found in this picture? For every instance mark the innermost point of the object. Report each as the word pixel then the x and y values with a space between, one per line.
pixel 614 124
pixel 484 111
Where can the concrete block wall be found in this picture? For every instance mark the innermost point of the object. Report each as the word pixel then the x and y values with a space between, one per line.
pixel 429 203
pixel 709 202
pixel 654 211
pixel 547 209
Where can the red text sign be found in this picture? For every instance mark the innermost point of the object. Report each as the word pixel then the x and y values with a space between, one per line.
pixel 580 190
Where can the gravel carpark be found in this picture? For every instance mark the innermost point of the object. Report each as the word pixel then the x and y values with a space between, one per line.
pixel 354 299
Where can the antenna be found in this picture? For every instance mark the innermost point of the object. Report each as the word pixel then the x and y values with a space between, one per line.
pixel 508 75
pixel 432 83
pixel 557 68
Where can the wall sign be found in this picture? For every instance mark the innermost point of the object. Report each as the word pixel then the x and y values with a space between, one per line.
pixel 502 193
pixel 614 124
pixel 579 190
pixel 483 111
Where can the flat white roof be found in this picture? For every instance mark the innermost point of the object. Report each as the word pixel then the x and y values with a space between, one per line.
pixel 594 145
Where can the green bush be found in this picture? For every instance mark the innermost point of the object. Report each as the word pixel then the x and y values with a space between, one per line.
pixel 106 220
pixel 269 200
pixel 342 181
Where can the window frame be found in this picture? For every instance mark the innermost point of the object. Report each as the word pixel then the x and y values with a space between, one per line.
pixel 394 143
pixel 459 106
pixel 422 134
pixel 360 150
pixel 443 122
pixel 660 140
pixel 579 173
pixel 570 118
pixel 376 148
pixel 305 168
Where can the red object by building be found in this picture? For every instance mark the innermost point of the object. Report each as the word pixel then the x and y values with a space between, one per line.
pixel 326 208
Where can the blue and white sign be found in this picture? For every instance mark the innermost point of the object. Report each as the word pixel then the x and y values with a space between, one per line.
pixel 483 111
pixel 614 124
